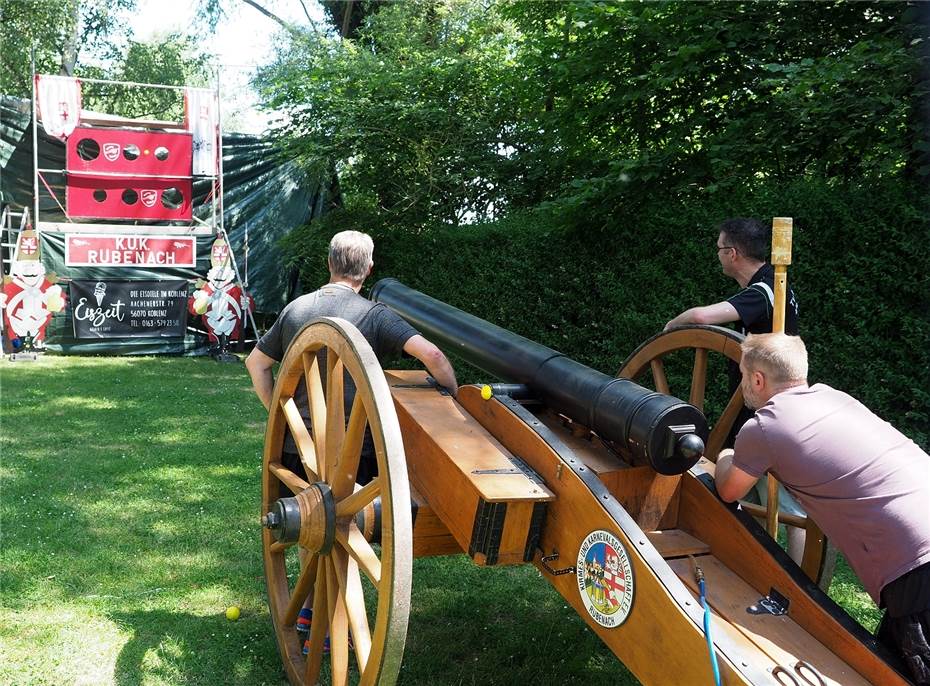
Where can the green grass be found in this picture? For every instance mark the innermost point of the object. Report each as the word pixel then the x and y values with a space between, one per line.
pixel 129 498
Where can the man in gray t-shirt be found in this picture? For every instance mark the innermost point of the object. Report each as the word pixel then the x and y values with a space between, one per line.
pixel 350 263
pixel 864 483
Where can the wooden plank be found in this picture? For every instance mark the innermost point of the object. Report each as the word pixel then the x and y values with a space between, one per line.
pixel 659 638
pixel 779 636
pixel 466 445
pixel 590 449
pixel 461 469
pixel 650 498
pixel 513 538
pixel 430 536
pixel 676 543
pixel 704 516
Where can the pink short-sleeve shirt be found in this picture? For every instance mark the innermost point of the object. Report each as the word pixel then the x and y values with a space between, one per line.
pixel 864 483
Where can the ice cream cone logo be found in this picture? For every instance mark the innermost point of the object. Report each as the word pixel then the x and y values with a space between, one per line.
pixel 100 291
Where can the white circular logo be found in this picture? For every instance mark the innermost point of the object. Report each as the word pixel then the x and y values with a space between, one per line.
pixel 605 578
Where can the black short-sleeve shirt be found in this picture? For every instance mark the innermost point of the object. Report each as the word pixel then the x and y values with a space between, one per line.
pixel 755 304
pixel 384 330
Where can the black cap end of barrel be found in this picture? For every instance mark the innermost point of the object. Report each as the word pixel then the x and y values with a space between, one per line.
pixel 690 447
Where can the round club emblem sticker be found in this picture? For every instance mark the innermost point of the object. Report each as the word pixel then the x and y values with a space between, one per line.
pixel 605 578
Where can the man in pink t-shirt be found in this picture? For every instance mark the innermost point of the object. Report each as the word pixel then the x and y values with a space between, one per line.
pixel 864 483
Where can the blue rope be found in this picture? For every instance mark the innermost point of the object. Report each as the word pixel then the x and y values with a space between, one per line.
pixel 710 641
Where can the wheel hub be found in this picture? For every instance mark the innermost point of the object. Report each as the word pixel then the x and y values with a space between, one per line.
pixel 309 518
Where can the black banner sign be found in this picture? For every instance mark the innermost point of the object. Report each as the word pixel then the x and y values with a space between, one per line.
pixel 123 308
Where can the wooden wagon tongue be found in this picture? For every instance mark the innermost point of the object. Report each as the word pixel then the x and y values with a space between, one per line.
pixel 662 430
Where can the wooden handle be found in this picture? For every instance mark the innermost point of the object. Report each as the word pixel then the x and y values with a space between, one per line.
pixel 781 257
pixel 781 240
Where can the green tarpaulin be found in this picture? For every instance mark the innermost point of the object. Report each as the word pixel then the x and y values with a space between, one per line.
pixel 265 197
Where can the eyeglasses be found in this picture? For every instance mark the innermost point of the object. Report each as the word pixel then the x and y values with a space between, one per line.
pixel 725 247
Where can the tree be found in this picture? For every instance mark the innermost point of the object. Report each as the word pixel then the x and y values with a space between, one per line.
pixel 448 111
pixel 173 59
pixel 63 32
pixel 414 112
pixel 713 94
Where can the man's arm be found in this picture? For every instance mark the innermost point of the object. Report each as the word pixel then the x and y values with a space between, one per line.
pixel 732 482
pixel 718 313
pixel 259 365
pixel 436 363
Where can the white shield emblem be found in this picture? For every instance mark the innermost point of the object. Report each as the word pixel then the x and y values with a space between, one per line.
pixel 111 151
pixel 148 197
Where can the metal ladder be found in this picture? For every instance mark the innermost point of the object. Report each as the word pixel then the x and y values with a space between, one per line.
pixel 12 223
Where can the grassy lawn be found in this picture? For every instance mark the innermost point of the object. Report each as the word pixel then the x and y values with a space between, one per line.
pixel 129 498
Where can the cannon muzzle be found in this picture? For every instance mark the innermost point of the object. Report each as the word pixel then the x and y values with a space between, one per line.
pixel 661 429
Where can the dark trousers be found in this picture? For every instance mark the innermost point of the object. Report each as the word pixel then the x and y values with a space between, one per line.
pixel 905 627
pixel 367 465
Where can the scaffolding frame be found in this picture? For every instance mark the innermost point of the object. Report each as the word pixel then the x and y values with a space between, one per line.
pixel 216 226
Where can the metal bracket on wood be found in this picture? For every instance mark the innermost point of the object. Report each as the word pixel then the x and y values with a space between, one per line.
pixel 430 383
pixel 773 604
pixel 519 467
pixel 546 559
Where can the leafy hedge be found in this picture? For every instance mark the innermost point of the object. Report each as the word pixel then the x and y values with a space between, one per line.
pixel 860 269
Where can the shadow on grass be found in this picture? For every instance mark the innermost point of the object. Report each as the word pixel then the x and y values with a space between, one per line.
pixel 181 648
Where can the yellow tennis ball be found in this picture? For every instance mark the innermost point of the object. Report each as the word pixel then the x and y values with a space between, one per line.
pixel 486 392
pixel 232 613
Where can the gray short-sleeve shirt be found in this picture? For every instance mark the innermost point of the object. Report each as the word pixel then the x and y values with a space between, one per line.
pixel 384 330
pixel 864 483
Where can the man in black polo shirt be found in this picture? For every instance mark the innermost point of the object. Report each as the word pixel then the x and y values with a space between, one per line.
pixel 743 248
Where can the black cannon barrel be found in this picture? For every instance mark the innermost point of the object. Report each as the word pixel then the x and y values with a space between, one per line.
pixel 667 432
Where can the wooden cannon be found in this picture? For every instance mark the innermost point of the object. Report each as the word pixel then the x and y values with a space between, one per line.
pixel 597 481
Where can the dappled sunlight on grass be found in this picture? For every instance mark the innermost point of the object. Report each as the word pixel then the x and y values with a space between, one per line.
pixel 69 656
pixel 846 590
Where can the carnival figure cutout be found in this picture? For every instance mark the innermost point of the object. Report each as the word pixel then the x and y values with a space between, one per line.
pixel 29 297
pixel 221 303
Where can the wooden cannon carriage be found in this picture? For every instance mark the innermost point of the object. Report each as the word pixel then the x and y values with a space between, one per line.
pixel 597 481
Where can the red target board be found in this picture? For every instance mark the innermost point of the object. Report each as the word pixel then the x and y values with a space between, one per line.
pixel 130 153
pixel 114 197
pixel 122 174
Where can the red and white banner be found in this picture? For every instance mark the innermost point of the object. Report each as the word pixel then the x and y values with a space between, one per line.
pixel 59 104
pixel 114 250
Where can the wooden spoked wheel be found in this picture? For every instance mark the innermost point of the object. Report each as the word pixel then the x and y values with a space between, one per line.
pixel 653 355
pixel 703 340
pixel 360 592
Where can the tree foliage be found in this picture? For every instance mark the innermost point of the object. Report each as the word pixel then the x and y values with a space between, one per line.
pixel 448 111
pixel 64 32
pixel 173 59
pixel 712 95
pixel 414 111
pixel 89 38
